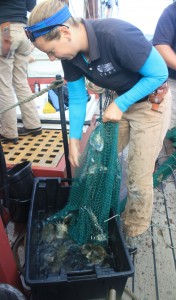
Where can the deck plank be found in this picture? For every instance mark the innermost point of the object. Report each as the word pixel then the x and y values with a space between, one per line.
pixel 155 261
pixel 165 268
pixel 144 272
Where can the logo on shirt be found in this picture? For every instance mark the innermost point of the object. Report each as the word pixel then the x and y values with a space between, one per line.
pixel 106 69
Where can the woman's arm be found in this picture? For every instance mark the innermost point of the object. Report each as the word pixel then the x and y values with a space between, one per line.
pixel 77 112
pixel 154 72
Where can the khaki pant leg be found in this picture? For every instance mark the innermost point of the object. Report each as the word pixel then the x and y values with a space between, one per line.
pixel 30 116
pixel 172 84
pixel 123 140
pixel 8 120
pixel 124 133
pixel 147 132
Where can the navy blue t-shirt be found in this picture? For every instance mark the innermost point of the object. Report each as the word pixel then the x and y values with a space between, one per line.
pixel 165 32
pixel 117 50
pixel 15 10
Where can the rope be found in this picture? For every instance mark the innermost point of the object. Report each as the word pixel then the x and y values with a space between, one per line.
pixel 94 88
pixel 87 7
pixel 54 84
pixel 131 294
pixel 21 237
pixel 93 7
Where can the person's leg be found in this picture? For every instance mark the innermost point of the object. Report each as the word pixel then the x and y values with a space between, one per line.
pixel 8 119
pixel 123 140
pixel 172 84
pixel 147 131
pixel 124 133
pixel 30 116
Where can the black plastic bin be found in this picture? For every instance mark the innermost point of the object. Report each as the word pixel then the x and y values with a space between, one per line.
pixel 19 209
pixel 49 193
pixel 21 180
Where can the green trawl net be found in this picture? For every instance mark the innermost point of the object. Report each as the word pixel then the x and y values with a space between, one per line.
pixel 95 189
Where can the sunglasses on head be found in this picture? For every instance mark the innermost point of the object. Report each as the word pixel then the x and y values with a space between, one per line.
pixel 33 34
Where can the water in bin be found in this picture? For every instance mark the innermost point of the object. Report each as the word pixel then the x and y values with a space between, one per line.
pixel 21 180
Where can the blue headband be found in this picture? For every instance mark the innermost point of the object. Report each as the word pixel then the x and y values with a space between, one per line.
pixel 48 24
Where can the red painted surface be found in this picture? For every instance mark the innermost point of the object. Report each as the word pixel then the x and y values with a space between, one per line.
pixel 8 269
pixel 58 171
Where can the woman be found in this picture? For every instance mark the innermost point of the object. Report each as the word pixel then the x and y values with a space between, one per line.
pixel 115 55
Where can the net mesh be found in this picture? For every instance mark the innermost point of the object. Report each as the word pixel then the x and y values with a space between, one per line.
pixel 95 190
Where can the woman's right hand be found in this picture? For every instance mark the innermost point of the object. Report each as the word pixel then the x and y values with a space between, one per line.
pixel 74 152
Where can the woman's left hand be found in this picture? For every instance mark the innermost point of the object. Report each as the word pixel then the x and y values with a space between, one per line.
pixel 74 152
pixel 112 113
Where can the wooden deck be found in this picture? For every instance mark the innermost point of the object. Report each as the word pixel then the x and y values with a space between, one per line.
pixel 155 260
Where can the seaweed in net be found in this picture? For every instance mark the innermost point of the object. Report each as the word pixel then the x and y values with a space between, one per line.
pixel 96 188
